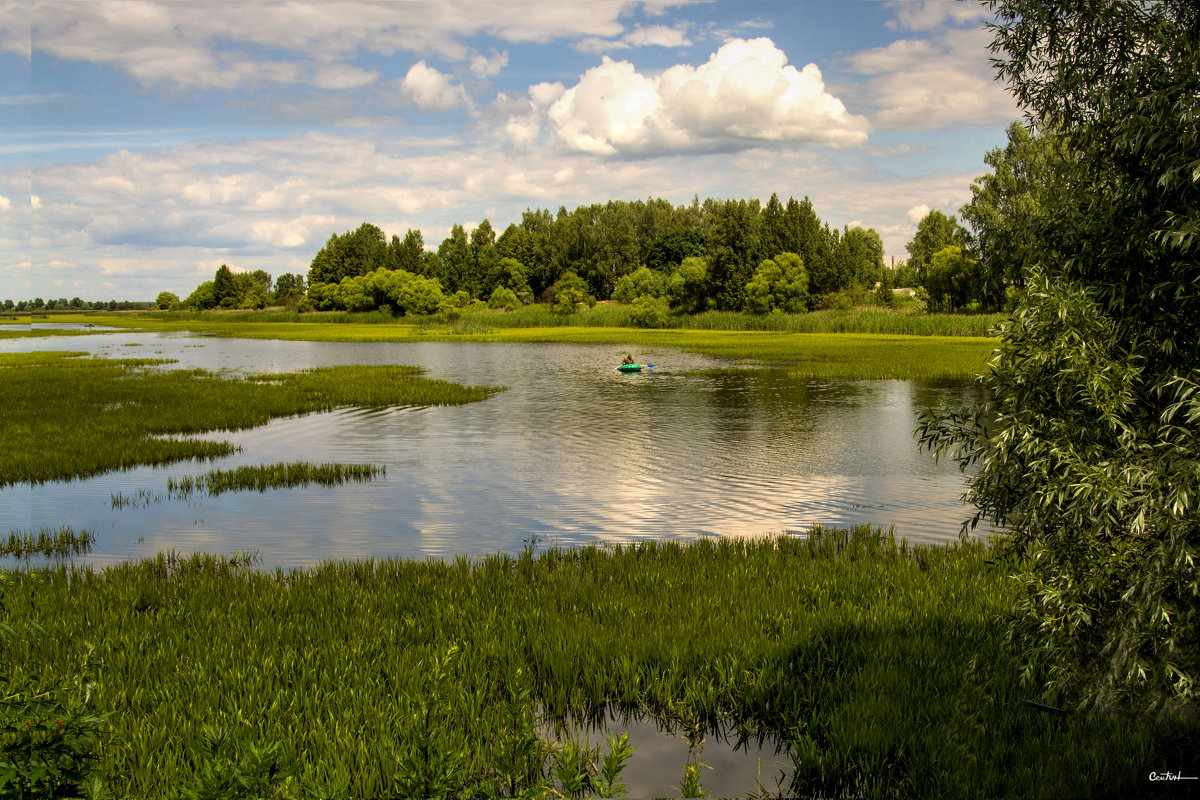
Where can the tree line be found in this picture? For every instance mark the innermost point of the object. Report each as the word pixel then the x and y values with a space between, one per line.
pixel 711 255
pixel 706 255
pixel 74 304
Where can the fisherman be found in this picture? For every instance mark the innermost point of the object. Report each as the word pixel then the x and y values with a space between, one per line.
pixel 628 359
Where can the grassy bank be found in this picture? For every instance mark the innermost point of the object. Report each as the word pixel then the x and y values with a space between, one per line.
pixel 107 414
pixel 857 345
pixel 882 667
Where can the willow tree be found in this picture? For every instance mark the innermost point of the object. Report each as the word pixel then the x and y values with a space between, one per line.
pixel 1088 452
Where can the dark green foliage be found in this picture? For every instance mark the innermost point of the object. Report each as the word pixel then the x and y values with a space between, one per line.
pixel 231 767
pixel 289 288
pixel 353 253
pixel 1088 448
pixel 225 289
pixel 50 733
pixel 734 248
pixel 670 249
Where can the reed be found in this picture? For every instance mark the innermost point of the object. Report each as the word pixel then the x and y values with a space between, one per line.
pixel 882 667
pixel 271 476
pixel 117 414
pixel 47 542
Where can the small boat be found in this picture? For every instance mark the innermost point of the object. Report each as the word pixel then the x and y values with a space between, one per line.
pixel 630 367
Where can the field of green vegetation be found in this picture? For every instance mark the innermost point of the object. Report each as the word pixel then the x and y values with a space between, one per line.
pixel 123 413
pixel 862 344
pixel 881 667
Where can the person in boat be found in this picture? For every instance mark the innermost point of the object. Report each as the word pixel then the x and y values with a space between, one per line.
pixel 628 359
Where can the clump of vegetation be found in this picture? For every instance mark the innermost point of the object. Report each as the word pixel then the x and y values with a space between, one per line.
pixel 47 542
pixel 271 476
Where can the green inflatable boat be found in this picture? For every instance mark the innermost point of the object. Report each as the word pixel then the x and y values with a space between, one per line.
pixel 630 367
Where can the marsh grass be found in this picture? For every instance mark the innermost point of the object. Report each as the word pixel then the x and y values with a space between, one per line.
pixel 271 476
pixel 117 414
pixel 47 542
pixel 882 666
pixel 851 345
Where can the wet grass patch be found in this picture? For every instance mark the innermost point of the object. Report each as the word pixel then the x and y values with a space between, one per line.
pixel 882 667
pixel 272 476
pixel 118 414
pixel 47 542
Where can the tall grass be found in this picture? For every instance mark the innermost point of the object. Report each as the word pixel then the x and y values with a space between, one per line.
pixel 882 666
pixel 271 476
pixel 603 315
pixel 47 542
pixel 107 414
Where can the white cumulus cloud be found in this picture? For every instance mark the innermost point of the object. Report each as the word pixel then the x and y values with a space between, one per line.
pixel 745 95
pixel 485 67
pixel 918 213
pixel 928 83
pixel 431 90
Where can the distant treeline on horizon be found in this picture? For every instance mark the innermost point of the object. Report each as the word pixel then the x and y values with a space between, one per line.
pixel 594 248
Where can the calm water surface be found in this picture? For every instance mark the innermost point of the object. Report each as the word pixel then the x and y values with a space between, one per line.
pixel 572 453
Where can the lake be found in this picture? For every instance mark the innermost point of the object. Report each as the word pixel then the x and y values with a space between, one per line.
pixel 573 453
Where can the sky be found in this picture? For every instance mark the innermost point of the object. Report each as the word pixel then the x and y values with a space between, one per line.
pixel 145 143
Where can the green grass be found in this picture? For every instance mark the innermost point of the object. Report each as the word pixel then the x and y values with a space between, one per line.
pixel 846 353
pixel 271 476
pixel 105 414
pixel 47 542
pixel 883 667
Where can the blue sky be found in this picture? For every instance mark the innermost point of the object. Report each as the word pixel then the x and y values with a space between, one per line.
pixel 143 144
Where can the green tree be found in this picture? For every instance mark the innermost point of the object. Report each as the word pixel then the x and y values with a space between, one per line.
pixel 732 232
pixel 225 288
pixel 779 284
pixel 508 273
pixel 202 297
pixel 860 252
pixel 643 281
pixel 483 257
pixel 289 288
pixel 1088 450
pixel 454 260
pixel 569 291
pixel 670 249
pixel 934 232
pixel 516 243
pixel 1006 207
pixel 648 312
pixel 166 300
pixel 504 298
pixel 804 235
pixel 950 280
pixel 687 288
